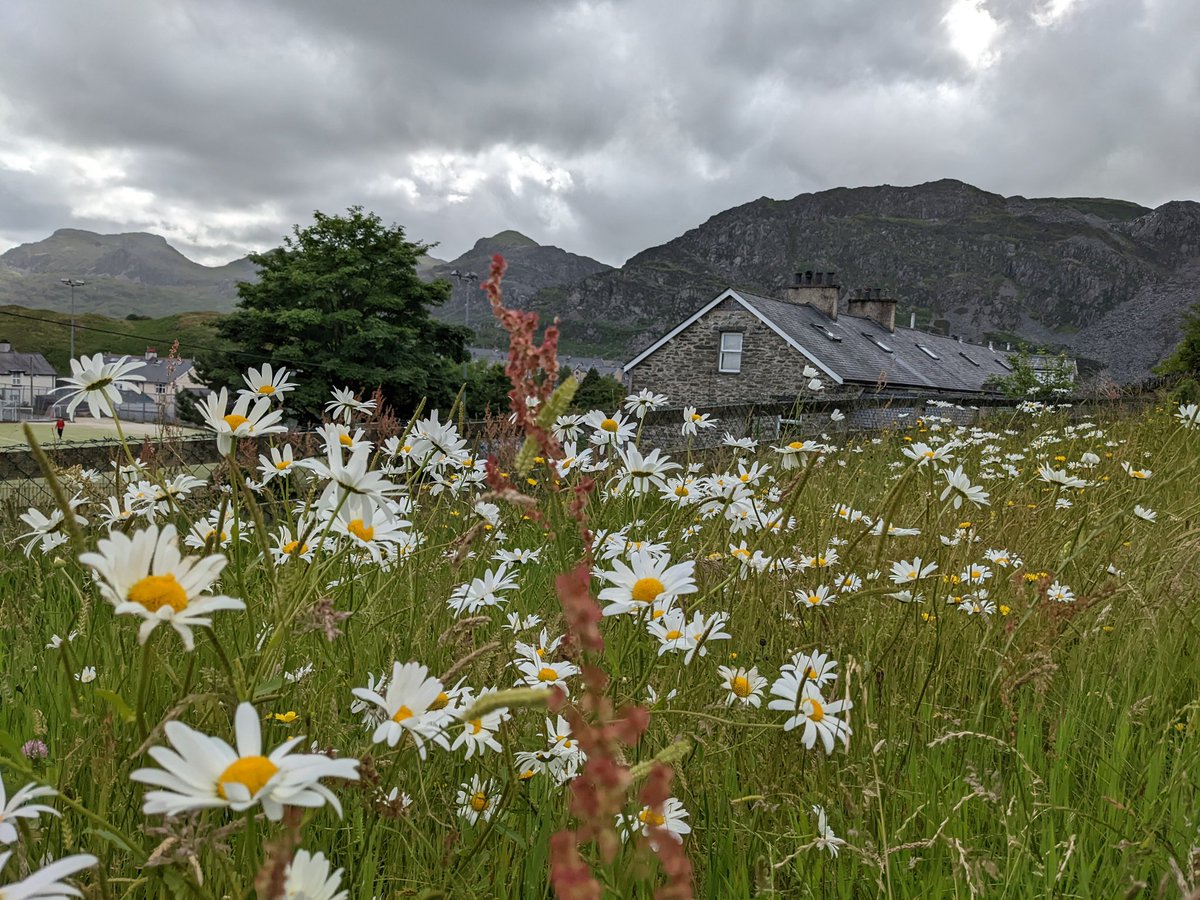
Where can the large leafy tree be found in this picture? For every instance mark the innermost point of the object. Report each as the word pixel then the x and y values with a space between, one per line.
pixel 340 304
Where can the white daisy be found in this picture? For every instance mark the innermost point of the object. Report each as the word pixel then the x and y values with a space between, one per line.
pixel 99 384
pixel 203 772
pixel 145 575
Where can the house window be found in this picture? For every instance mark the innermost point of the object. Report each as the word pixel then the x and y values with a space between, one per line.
pixel 16 377
pixel 731 352
pixel 160 388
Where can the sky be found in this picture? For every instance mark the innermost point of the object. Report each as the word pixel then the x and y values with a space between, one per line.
pixel 600 127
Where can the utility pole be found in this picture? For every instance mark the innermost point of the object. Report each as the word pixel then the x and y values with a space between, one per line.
pixel 471 278
pixel 72 284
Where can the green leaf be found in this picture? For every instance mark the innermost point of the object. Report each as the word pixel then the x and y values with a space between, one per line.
pixel 118 704
pixel 115 839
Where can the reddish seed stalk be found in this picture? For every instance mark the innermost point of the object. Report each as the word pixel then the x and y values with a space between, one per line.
pixel 600 791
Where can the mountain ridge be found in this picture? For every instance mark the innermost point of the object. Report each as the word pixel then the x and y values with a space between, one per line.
pixel 1106 278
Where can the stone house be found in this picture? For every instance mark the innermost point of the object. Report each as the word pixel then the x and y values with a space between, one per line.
pixel 153 399
pixel 745 348
pixel 26 380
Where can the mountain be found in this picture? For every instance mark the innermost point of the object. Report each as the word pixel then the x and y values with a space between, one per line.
pixel 531 268
pixel 123 273
pixel 143 274
pixel 1106 279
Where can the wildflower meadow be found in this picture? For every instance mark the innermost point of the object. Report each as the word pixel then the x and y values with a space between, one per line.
pixel 936 661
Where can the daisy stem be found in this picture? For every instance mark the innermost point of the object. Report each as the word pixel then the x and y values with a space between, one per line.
pixel 56 489
pixel 236 680
pixel 501 808
pixel 143 685
pixel 718 719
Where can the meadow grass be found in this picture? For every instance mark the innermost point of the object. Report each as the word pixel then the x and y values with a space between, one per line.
pixel 1040 749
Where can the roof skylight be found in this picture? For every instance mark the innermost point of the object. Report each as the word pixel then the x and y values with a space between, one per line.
pixel 825 331
pixel 877 342
pixel 968 359
pixel 927 351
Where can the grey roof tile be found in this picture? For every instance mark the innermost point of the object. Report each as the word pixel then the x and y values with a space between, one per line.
pixel 857 358
pixel 29 363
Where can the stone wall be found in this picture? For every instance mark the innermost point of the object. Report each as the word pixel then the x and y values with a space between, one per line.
pixel 685 368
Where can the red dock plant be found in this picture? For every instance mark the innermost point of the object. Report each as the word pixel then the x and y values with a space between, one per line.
pixel 600 791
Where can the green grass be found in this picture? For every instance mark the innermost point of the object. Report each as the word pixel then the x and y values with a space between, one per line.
pixel 1048 749
pixel 79 431
pixel 49 333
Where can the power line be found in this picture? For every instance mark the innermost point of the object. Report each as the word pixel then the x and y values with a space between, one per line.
pixel 142 337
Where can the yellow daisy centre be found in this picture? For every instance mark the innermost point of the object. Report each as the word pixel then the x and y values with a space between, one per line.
pixel 646 590
pixel 267 389
pixel 361 531
pixel 441 701
pixel 283 464
pixel 681 491
pixel 547 674
pixel 929 454
pixel 610 425
pixel 696 417
pixel 673 635
pixel 156 591
pixel 345 440
pixel 740 685
pixel 234 421
pixel 650 817
pixel 811 674
pixel 479 801
pixel 401 714
pixel 476 726
pixel 816 711
pixel 294 547
pixel 795 445
pixel 814 599
pixel 251 771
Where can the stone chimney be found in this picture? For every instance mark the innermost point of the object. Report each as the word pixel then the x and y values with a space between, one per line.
pixel 151 353
pixel 872 304
pixel 817 289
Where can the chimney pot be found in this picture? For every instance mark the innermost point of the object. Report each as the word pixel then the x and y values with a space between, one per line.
pixel 5 347
pixel 815 289
pixel 912 320
pixel 151 353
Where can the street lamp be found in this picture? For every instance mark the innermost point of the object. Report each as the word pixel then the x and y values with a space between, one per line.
pixel 470 278
pixel 72 284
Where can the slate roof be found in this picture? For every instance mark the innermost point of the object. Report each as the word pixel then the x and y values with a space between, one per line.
pixel 857 356
pixel 28 363
pixel 155 370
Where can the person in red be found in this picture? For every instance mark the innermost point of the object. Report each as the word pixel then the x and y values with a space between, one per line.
pixel 59 426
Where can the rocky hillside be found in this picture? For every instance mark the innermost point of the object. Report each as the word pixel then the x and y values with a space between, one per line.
pixel 1108 279
pixel 124 273
pixel 532 267
pixel 143 274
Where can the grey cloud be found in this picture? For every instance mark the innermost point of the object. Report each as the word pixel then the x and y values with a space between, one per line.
pixel 654 114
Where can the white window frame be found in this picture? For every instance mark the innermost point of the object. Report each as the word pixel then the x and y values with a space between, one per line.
pixel 729 360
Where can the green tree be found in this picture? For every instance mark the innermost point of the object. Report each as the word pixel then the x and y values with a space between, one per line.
pixel 487 389
pixel 1185 361
pixel 598 391
pixel 1026 383
pixel 341 305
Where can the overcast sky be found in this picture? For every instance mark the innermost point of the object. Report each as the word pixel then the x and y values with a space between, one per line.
pixel 601 127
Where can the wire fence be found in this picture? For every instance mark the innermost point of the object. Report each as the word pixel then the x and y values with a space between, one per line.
pixel 94 463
